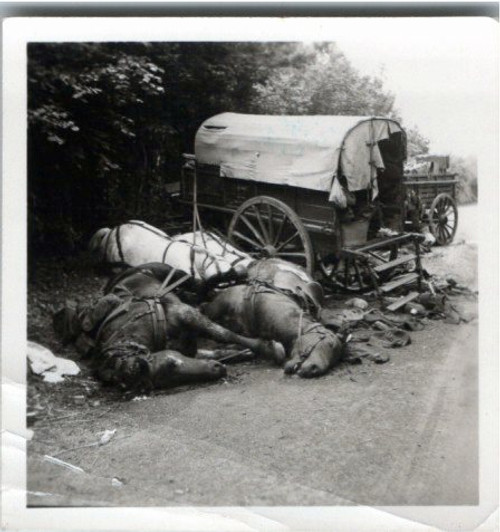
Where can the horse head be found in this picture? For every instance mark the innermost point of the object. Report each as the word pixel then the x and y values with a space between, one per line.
pixel 95 244
pixel 314 352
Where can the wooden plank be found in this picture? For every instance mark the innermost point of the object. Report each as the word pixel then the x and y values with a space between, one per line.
pixel 431 182
pixel 383 242
pixel 393 263
pixel 402 301
pixel 400 281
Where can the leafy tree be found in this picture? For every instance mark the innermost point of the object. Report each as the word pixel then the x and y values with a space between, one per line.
pixel 417 144
pixel 326 84
pixel 88 121
pixel 466 170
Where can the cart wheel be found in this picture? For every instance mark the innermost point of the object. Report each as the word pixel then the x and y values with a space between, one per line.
pixel 266 227
pixel 443 219
pixel 346 274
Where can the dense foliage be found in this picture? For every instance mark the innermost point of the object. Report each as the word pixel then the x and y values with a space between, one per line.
pixel 466 170
pixel 108 122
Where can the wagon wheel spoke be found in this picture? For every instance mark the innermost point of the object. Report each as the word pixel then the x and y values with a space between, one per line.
pixel 295 254
pixel 443 218
pixel 261 224
pixel 239 235
pixel 287 241
pixel 449 226
pixel 277 236
pixel 250 226
pixel 445 230
pixel 270 223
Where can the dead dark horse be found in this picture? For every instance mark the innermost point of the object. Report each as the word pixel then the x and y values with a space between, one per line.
pixel 279 311
pixel 149 342
pixel 148 279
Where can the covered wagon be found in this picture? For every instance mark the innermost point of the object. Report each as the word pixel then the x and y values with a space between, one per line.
pixel 310 189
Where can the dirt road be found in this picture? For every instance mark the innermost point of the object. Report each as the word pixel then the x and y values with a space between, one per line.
pixel 400 433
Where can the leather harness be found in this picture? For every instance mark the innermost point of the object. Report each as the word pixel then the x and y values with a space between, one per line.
pixel 158 321
pixel 256 287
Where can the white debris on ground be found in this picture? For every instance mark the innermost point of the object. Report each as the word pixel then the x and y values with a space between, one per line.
pixel 44 362
pixel 106 436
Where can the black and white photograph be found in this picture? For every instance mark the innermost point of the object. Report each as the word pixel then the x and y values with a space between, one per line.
pixel 250 274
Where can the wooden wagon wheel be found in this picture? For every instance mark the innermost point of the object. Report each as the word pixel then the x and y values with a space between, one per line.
pixel 347 273
pixel 443 219
pixel 266 227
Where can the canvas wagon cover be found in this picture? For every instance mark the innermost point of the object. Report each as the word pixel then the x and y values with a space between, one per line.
pixel 300 151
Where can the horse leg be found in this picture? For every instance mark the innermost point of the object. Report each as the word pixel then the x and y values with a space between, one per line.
pixel 188 340
pixel 185 316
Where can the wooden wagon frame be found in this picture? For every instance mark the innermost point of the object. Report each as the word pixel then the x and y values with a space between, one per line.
pixel 434 197
pixel 288 186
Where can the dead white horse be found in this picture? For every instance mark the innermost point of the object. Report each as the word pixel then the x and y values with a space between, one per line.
pixel 135 243
pixel 220 247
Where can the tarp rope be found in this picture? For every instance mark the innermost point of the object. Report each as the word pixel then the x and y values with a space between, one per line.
pixel 196 215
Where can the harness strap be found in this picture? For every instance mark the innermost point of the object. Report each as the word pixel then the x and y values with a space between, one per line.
pixel 208 257
pixel 235 261
pixel 310 330
pixel 224 243
pixel 302 298
pixel 118 311
pixel 191 258
pixel 153 230
pixel 167 247
pixel 249 298
pixel 173 285
pixel 159 321
pixel 119 244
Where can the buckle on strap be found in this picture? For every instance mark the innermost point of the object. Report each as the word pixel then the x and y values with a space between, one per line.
pixel 159 325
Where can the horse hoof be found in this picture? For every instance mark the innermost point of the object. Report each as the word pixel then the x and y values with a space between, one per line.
pixel 278 352
pixel 291 367
pixel 309 371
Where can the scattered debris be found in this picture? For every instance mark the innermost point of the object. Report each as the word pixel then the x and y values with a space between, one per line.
pixel 140 398
pixel 390 338
pixel 43 362
pixel 386 231
pixel 357 302
pixel 226 354
pixel 415 309
pixel 355 353
pixel 61 463
pixel 106 436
